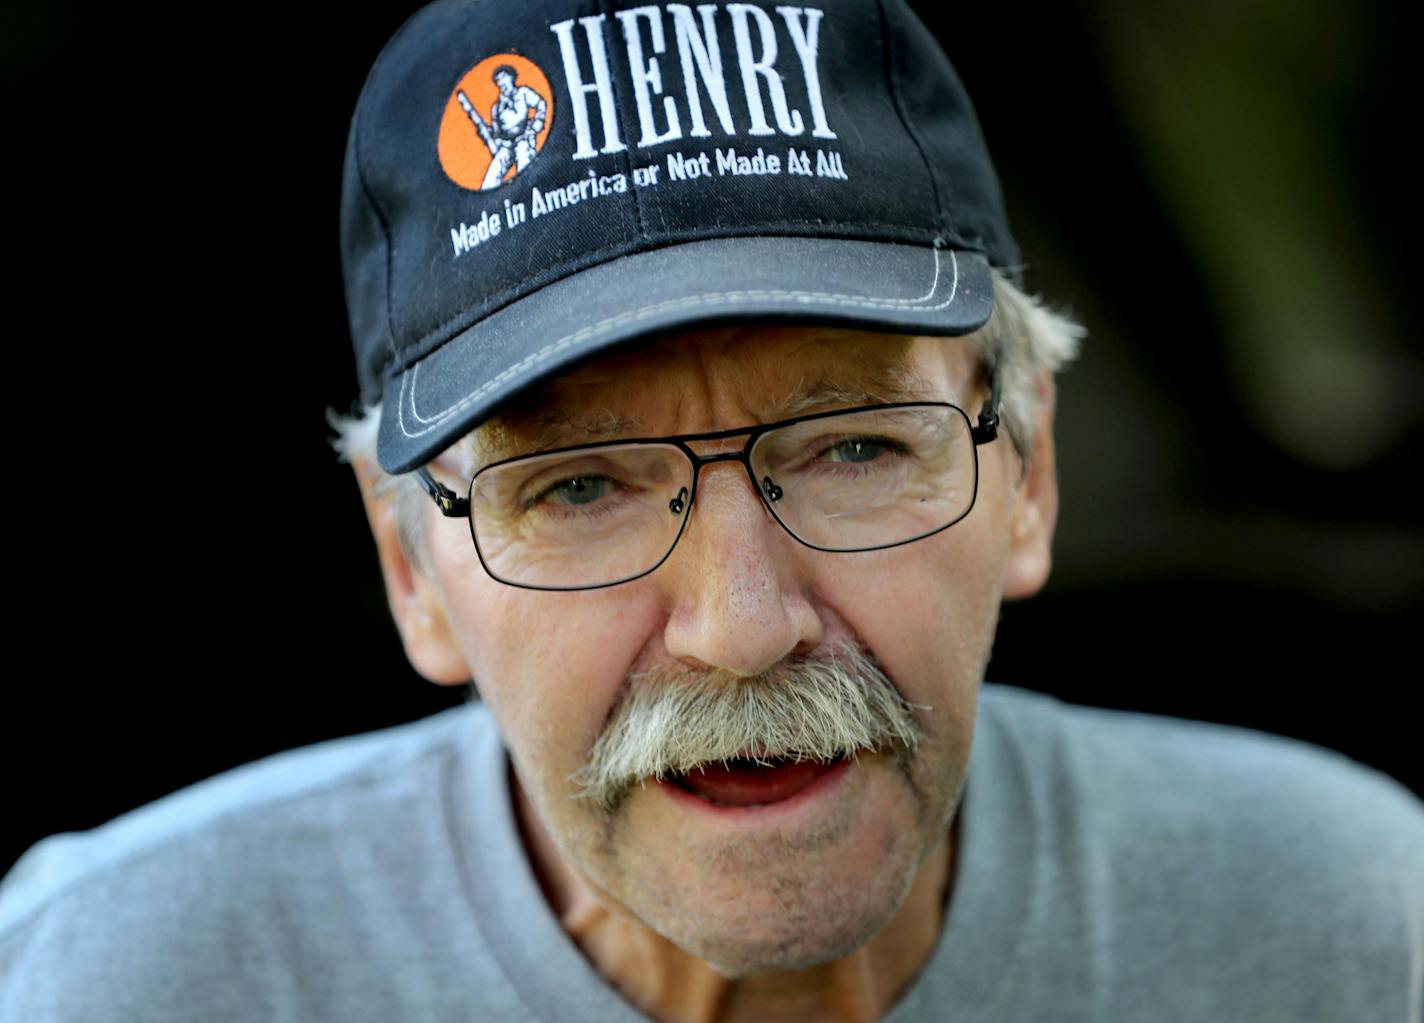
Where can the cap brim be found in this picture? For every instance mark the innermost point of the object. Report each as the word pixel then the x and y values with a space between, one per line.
pixel 895 288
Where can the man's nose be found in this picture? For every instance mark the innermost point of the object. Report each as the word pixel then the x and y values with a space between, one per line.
pixel 737 597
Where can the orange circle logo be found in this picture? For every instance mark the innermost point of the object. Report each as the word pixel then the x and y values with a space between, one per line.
pixel 495 122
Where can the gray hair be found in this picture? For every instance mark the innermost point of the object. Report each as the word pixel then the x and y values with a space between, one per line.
pixel 1028 339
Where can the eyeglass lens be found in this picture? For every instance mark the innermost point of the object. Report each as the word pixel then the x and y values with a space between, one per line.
pixel 596 516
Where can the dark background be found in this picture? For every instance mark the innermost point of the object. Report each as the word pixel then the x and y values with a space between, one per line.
pixel 1214 188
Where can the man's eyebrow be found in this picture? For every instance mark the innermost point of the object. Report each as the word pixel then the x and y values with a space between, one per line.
pixel 893 384
pixel 514 433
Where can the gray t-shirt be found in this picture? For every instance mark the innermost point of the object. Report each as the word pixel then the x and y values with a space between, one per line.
pixel 1112 866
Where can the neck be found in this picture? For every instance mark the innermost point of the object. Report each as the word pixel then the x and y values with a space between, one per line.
pixel 672 986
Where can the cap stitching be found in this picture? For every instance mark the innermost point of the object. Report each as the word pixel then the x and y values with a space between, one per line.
pixel 416 350
pixel 583 333
pixel 891 72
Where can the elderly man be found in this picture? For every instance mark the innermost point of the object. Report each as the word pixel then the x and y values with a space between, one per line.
pixel 706 449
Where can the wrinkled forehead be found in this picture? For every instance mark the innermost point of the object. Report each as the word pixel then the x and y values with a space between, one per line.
pixel 719 378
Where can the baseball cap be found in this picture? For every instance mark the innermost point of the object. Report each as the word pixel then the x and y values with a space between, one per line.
pixel 647 168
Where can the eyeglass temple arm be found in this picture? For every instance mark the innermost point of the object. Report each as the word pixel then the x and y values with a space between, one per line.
pixel 451 505
pixel 988 427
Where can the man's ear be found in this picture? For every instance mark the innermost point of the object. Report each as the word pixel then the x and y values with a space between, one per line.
pixel 1035 508
pixel 415 602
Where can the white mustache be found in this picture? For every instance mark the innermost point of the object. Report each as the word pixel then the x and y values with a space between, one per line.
pixel 669 722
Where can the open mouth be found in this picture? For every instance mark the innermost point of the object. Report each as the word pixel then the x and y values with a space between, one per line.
pixel 747 782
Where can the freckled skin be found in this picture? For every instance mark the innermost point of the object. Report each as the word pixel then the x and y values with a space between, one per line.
pixel 815 911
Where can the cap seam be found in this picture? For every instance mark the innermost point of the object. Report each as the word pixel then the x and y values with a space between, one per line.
pixel 386 243
pixel 619 108
pixel 891 77
pixel 362 103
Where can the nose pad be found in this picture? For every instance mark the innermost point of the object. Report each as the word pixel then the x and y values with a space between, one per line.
pixel 736 600
pixel 723 497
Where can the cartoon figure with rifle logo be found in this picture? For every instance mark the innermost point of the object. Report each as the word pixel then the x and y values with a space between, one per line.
pixel 511 132
pixel 483 151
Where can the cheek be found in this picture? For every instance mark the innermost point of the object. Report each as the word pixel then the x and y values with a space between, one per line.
pixel 928 610
pixel 549 665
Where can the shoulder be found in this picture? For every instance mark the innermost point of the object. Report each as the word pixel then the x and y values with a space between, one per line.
pixel 1171 769
pixel 105 917
pixel 1196 838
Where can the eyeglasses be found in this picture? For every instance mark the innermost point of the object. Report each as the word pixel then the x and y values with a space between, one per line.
pixel 860 479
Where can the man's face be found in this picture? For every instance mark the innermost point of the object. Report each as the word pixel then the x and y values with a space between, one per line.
pixel 784 885
pixel 505 81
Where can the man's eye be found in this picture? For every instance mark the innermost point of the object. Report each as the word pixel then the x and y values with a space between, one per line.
pixel 576 490
pixel 857 449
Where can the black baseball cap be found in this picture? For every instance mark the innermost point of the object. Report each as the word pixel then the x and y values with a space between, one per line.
pixel 652 167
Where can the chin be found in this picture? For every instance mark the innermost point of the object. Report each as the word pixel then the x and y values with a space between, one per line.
pixel 785 893
pixel 762 909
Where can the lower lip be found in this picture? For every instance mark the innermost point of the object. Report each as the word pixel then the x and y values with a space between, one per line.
pixel 821 784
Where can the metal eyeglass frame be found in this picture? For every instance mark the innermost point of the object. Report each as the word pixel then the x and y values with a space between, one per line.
pixel 453 506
